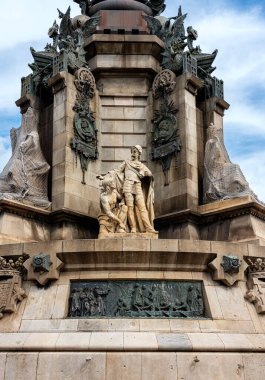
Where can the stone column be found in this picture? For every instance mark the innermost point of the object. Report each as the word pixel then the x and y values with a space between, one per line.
pixel 182 191
pixel 68 192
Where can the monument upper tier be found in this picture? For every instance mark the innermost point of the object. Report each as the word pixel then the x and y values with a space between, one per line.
pixel 150 7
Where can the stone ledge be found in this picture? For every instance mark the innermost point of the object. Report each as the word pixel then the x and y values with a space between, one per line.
pixel 158 326
pixel 132 341
pixel 135 254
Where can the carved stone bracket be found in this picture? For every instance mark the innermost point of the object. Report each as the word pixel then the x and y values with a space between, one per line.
pixel 84 142
pixel 58 82
pixel 166 142
pixel 43 267
pixel 256 283
pixel 11 292
pixel 228 269
pixel 193 84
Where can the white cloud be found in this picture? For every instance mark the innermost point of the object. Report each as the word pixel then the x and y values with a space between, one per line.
pixel 5 151
pixel 253 167
pixel 239 36
pixel 29 20
pixel 27 27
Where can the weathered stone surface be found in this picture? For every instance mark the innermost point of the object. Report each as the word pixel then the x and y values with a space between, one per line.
pixel 40 303
pixel 124 325
pixel 174 342
pixel 232 342
pixel 70 341
pixel 183 325
pixel 154 325
pixel 125 367
pixel 232 303
pixel 21 366
pixel 210 366
pixel 159 366
pixel 140 341
pixel 254 366
pixel 93 325
pixel 206 342
pixel 224 325
pixel 71 365
pixel 2 366
pixel 110 341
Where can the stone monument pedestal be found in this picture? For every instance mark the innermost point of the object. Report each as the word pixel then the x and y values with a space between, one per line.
pixel 78 301
pixel 226 342
pixel 127 235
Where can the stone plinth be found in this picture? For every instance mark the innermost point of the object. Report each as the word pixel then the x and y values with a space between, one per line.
pixel 24 223
pixel 229 342
pixel 132 236
pixel 234 220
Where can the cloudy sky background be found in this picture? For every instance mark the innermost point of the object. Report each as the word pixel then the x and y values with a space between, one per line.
pixel 236 28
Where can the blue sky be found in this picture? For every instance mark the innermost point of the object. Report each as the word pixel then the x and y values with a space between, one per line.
pixel 235 28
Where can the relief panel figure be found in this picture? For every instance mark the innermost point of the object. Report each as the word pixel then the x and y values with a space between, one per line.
pixel 25 176
pixel 222 178
pixel 136 299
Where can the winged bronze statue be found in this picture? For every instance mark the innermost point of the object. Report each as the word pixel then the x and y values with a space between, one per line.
pixel 90 26
pixel 66 27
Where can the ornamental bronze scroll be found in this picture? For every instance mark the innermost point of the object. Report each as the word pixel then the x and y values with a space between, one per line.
pixel 136 299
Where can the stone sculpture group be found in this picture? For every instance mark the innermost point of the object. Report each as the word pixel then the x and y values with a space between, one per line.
pixel 127 196
pixel 222 178
pixel 25 176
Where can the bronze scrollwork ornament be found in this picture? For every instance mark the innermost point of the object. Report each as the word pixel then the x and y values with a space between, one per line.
pixel 166 141
pixel 84 142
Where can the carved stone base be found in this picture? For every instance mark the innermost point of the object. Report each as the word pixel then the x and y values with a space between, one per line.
pixel 11 292
pixel 24 223
pixel 127 235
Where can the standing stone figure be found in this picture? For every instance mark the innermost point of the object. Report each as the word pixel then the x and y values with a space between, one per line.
pixel 222 178
pixel 25 176
pixel 138 194
pixel 132 184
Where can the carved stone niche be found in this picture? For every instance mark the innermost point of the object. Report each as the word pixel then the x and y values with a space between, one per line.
pixel 43 267
pixel 11 292
pixel 256 284
pixel 228 269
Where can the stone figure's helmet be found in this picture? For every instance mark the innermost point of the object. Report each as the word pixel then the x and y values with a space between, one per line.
pixel 139 148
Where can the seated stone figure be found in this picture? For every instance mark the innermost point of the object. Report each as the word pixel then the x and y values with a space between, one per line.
pixel 222 179
pixel 25 176
pixel 113 214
